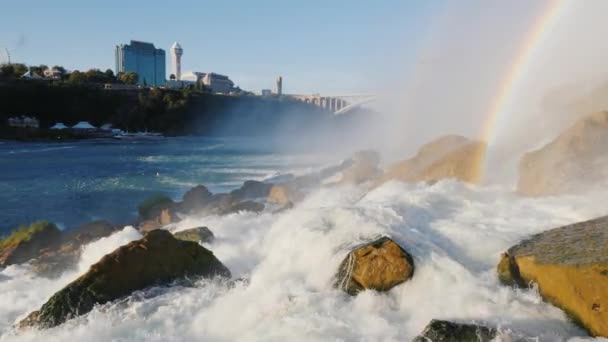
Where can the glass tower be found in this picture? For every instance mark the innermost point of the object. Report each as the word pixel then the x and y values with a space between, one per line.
pixel 144 59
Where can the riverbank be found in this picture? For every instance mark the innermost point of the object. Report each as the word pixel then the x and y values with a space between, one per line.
pixel 168 111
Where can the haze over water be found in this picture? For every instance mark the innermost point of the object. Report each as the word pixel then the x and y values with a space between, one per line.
pixel 284 263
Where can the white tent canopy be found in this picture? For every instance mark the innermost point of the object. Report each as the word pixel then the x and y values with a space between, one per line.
pixel 83 125
pixel 59 125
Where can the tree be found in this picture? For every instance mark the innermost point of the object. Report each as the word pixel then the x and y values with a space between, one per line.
pixel 61 69
pixel 110 75
pixel 77 77
pixel 129 77
pixel 7 70
pixel 19 69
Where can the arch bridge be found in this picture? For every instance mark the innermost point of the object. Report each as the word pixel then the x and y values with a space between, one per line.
pixel 337 104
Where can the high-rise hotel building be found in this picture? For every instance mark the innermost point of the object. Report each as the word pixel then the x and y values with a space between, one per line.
pixel 144 59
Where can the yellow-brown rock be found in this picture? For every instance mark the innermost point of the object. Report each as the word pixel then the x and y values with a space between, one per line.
pixel 570 266
pixel 364 168
pixel 282 195
pixel 450 156
pixel 573 162
pixel 379 265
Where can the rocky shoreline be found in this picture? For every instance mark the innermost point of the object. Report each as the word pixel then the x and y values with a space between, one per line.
pixel 568 264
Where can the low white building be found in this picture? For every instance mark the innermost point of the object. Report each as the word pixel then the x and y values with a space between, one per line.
pixel 23 121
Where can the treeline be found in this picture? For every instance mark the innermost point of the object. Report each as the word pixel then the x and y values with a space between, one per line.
pixel 58 73
pixel 133 110
pixel 184 111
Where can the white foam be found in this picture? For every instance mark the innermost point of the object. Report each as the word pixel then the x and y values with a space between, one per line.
pixel 455 233
pixel 21 291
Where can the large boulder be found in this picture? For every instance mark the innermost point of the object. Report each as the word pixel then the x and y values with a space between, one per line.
pixel 283 195
pixel 570 266
pixel 153 208
pixel 157 211
pixel 575 161
pixel 364 168
pixel 464 163
pixel 251 190
pixel 446 331
pixel 158 258
pixel 27 242
pixel 199 234
pixel 450 156
pixel 195 199
pixel 379 265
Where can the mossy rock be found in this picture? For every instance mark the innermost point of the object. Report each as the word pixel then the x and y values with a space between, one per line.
pixel 156 259
pixel 199 234
pixel 26 242
pixel 446 331
pixel 570 266
pixel 379 265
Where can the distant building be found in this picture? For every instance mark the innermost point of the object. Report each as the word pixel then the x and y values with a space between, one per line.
pixel 53 73
pixel 176 60
pixel 23 122
pixel 193 76
pixel 266 92
pixel 279 89
pixel 144 59
pixel 218 83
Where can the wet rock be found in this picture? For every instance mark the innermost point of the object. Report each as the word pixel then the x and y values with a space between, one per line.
pixel 242 206
pixel 446 331
pixel 195 199
pixel 157 212
pixel 450 156
pixel 364 168
pixel 153 208
pixel 379 265
pixel 27 243
pixel 570 266
pixel 464 164
pixel 199 234
pixel 251 190
pixel 158 258
pixel 574 162
pixel 51 262
pixel 283 195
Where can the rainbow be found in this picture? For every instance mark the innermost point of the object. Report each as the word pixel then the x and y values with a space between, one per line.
pixel 499 106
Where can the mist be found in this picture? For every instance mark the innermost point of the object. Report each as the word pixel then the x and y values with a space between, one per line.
pixel 449 82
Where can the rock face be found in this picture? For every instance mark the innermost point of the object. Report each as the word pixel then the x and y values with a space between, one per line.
pixel 156 259
pixel 445 331
pixel 364 168
pixel 570 266
pixel 195 199
pixel 379 265
pixel 202 234
pixel 574 161
pixel 27 243
pixel 53 261
pixel 156 212
pixel 251 190
pixel 451 156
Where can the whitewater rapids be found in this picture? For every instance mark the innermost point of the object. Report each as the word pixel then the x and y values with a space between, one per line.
pixel 285 264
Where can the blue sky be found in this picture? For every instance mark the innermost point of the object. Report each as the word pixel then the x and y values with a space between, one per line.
pixel 338 46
